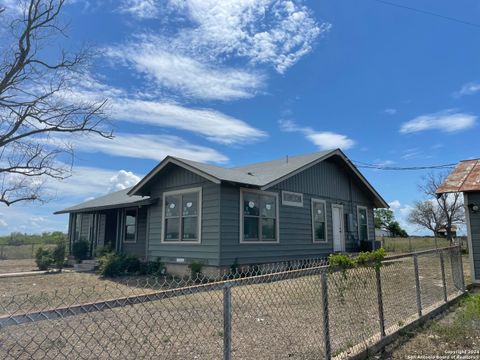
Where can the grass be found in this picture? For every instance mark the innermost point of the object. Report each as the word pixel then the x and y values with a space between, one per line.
pixel 277 320
pixel 410 244
pixel 458 330
pixel 22 251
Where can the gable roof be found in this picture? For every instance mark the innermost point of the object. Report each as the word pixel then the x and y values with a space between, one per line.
pixel 262 175
pixel 110 201
pixel 464 178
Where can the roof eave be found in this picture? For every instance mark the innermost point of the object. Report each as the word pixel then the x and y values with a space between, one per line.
pixel 170 160
pixel 108 207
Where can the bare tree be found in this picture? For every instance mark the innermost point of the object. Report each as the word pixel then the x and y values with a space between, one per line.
pixel 38 105
pixel 428 215
pixel 440 211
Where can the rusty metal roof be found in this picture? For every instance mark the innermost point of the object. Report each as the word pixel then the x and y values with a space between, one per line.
pixel 464 178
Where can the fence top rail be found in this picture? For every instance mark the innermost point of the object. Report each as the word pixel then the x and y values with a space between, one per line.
pixel 421 252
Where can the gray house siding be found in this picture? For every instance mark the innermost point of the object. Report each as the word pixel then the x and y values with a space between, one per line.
pixel 176 178
pixel 326 181
pixel 474 198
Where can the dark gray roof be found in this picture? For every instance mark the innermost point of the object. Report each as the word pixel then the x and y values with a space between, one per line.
pixel 258 174
pixel 262 175
pixel 113 200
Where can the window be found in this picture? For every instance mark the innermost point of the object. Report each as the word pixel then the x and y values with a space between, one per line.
pixel 292 198
pixel 181 215
pixel 362 223
pixel 130 234
pixel 319 221
pixel 258 216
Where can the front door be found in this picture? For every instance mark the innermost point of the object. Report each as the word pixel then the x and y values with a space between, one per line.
pixel 337 227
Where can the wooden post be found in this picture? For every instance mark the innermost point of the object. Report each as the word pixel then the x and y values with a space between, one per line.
pixel 444 283
pixel 227 322
pixel 417 286
pixel 326 321
pixel 381 316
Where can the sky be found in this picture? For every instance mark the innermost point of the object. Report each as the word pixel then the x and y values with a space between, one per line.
pixel 234 82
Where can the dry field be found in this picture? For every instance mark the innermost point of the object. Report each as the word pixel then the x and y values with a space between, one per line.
pixel 13 266
pixel 274 320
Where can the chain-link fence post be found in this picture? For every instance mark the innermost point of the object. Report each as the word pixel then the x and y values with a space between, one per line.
pixel 381 316
pixel 326 320
pixel 417 285
pixel 227 321
pixel 444 282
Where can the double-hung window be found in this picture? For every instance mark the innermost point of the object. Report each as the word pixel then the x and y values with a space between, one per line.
pixel 362 223
pixel 319 221
pixel 259 216
pixel 182 215
pixel 130 233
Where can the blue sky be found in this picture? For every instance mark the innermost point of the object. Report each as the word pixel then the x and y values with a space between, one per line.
pixel 232 82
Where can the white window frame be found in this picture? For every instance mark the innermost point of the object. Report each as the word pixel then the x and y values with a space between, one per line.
pixel 292 203
pixel 199 217
pixel 358 221
pixel 125 226
pixel 277 217
pixel 324 202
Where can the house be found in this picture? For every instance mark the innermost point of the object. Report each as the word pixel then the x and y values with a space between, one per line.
pixel 465 178
pixel 442 232
pixel 183 211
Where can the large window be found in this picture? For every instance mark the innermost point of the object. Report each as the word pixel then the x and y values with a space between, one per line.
pixel 77 227
pixel 319 220
pixel 258 216
pixel 362 223
pixel 181 215
pixel 130 234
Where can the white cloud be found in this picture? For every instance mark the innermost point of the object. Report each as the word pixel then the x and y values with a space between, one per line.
pixel 395 204
pixel 390 111
pixel 143 146
pixel 324 140
pixel 277 32
pixel 212 124
pixel 214 53
pixel 122 180
pixel 445 121
pixel 467 89
pixel 144 9
pixel 186 75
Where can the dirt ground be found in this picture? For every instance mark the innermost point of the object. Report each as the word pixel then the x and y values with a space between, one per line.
pixel 12 266
pixel 455 332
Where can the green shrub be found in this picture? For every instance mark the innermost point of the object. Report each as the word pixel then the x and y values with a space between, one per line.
pixel 114 265
pixel 80 250
pixel 342 261
pixel 58 255
pixel 111 265
pixel 374 258
pixel 195 269
pixel 102 251
pixel 154 268
pixel 43 258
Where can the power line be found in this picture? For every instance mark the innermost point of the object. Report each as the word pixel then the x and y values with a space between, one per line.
pixel 365 165
pixel 430 13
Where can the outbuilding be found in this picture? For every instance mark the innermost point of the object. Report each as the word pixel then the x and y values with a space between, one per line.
pixel 465 178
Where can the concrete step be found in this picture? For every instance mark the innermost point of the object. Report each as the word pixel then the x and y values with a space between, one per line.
pixel 84 267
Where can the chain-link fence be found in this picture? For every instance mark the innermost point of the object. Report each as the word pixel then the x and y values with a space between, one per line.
pixel 294 310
